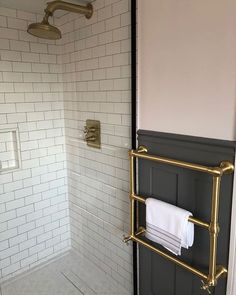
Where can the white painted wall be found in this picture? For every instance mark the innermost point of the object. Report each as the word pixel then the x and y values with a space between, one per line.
pixel 187 67
pixel 187 73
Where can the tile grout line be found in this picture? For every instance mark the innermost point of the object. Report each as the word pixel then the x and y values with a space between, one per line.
pixel 72 283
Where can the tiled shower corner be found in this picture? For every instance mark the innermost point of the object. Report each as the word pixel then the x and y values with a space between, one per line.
pixel 67 194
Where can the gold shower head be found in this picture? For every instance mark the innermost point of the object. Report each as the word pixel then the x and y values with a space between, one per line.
pixel 44 30
pixel 47 31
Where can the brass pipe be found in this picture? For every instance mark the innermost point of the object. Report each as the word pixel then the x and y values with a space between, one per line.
pixel 61 5
pixel 140 231
pixel 132 189
pixel 138 198
pixel 199 222
pixel 225 167
pixel 127 239
pixel 191 219
pixel 171 258
pixel 214 229
pixel 222 271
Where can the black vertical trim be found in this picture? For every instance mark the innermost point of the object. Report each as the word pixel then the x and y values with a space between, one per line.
pixel 134 113
pixel 133 71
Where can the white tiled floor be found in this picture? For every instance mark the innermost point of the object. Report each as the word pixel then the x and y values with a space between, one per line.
pixel 69 275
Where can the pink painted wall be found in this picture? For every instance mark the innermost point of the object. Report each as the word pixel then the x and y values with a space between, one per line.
pixel 187 67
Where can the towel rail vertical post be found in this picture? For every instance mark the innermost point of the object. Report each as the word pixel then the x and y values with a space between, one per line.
pixel 132 189
pixel 214 229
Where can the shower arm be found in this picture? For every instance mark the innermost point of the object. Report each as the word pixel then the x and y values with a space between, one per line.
pixel 61 5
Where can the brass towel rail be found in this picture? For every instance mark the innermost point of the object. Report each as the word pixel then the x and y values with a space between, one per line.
pixel 215 271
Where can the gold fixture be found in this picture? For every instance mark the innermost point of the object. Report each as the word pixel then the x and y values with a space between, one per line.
pixel 92 133
pixel 47 31
pixel 215 271
pixel 205 287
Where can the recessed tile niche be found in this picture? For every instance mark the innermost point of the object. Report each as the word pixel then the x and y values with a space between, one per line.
pixel 9 150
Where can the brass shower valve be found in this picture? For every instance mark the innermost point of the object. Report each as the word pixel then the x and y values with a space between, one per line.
pixel 92 133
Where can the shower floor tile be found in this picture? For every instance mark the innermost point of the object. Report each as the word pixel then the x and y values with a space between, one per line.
pixel 69 275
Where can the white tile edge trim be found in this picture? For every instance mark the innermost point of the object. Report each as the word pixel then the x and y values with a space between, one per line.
pixel 17 151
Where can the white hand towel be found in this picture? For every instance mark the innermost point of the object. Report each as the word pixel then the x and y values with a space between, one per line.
pixel 168 225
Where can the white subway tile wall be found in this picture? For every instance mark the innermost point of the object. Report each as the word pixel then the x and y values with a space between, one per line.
pixel 34 215
pixel 43 86
pixel 96 74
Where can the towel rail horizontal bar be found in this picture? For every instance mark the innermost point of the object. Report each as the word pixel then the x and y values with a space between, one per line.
pixel 221 271
pixel 191 219
pixel 171 258
pixel 225 167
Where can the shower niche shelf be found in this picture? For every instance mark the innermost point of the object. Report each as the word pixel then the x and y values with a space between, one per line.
pixel 9 150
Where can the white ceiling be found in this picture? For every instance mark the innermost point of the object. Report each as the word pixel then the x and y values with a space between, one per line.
pixel 36 6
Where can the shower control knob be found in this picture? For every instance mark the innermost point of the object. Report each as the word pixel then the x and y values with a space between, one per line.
pixel 85 130
pixel 90 138
pixel 92 129
pixel 89 129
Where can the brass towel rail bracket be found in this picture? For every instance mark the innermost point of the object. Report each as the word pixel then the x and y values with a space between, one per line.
pixel 215 271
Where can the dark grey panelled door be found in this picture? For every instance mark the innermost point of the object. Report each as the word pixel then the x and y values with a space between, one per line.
pixel 189 190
